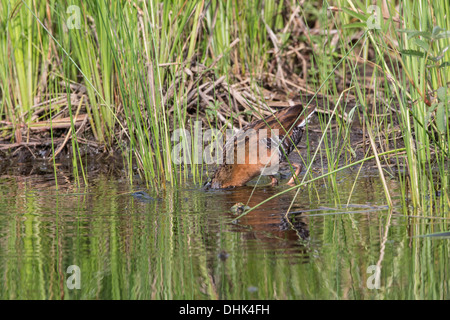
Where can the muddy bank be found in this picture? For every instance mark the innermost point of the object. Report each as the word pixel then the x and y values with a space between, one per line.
pixel 35 158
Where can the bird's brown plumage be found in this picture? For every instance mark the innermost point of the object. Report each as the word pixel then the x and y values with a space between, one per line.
pixel 290 125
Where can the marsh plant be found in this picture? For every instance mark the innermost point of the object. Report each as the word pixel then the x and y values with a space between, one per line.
pixel 125 76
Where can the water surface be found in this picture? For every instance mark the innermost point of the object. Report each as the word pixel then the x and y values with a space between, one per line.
pixel 184 244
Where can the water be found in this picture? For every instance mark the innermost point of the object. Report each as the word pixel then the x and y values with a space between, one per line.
pixel 186 245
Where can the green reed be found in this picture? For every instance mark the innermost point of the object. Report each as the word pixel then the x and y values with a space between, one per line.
pixel 424 43
pixel 410 46
pixel 135 61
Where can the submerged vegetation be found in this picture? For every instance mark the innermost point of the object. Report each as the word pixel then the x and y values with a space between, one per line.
pixel 78 77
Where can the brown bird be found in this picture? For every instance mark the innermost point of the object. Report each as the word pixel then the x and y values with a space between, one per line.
pixel 284 131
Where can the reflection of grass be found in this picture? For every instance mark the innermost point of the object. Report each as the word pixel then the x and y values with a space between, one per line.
pixel 135 71
pixel 331 173
pixel 128 249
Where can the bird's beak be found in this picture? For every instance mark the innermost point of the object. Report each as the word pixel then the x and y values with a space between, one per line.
pixel 207 185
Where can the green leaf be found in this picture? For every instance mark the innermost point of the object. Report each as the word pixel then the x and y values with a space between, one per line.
pixel 443 35
pixel 444 64
pixel 436 31
pixel 284 37
pixel 416 53
pixel 441 54
pixel 406 30
pixel 434 59
pixel 422 44
pixel 433 107
pixel 415 33
pixel 355 14
pixel 442 94
pixel 429 112
pixel 355 25
pixel 441 118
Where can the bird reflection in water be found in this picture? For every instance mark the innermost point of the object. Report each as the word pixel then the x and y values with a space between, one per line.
pixel 268 223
